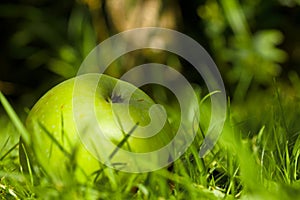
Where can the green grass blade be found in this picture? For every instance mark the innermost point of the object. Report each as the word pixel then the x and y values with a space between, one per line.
pixel 8 152
pixel 124 140
pixel 54 140
pixel 28 164
pixel 14 118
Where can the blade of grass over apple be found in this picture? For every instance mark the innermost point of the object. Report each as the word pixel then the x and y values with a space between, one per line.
pixel 123 141
pixel 54 140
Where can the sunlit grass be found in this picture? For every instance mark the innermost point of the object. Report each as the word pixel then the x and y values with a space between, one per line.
pixel 257 157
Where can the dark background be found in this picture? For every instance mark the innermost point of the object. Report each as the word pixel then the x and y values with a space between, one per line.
pixel 43 42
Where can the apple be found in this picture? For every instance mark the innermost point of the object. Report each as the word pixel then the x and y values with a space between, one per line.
pixel 64 122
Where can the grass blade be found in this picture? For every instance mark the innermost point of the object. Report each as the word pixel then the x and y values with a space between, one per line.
pixel 14 118
pixel 54 140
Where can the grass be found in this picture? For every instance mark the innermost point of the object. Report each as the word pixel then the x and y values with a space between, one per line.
pixel 257 157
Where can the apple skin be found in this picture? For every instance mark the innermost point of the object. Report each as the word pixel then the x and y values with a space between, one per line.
pixel 55 143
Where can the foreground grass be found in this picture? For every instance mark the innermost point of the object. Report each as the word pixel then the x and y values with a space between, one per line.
pixel 256 158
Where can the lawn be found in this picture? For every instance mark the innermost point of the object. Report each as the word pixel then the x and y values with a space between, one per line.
pixel 256 157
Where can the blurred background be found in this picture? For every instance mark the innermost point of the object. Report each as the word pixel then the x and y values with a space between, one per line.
pixel 254 43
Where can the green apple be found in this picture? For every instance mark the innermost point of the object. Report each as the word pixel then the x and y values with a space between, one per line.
pixel 64 127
